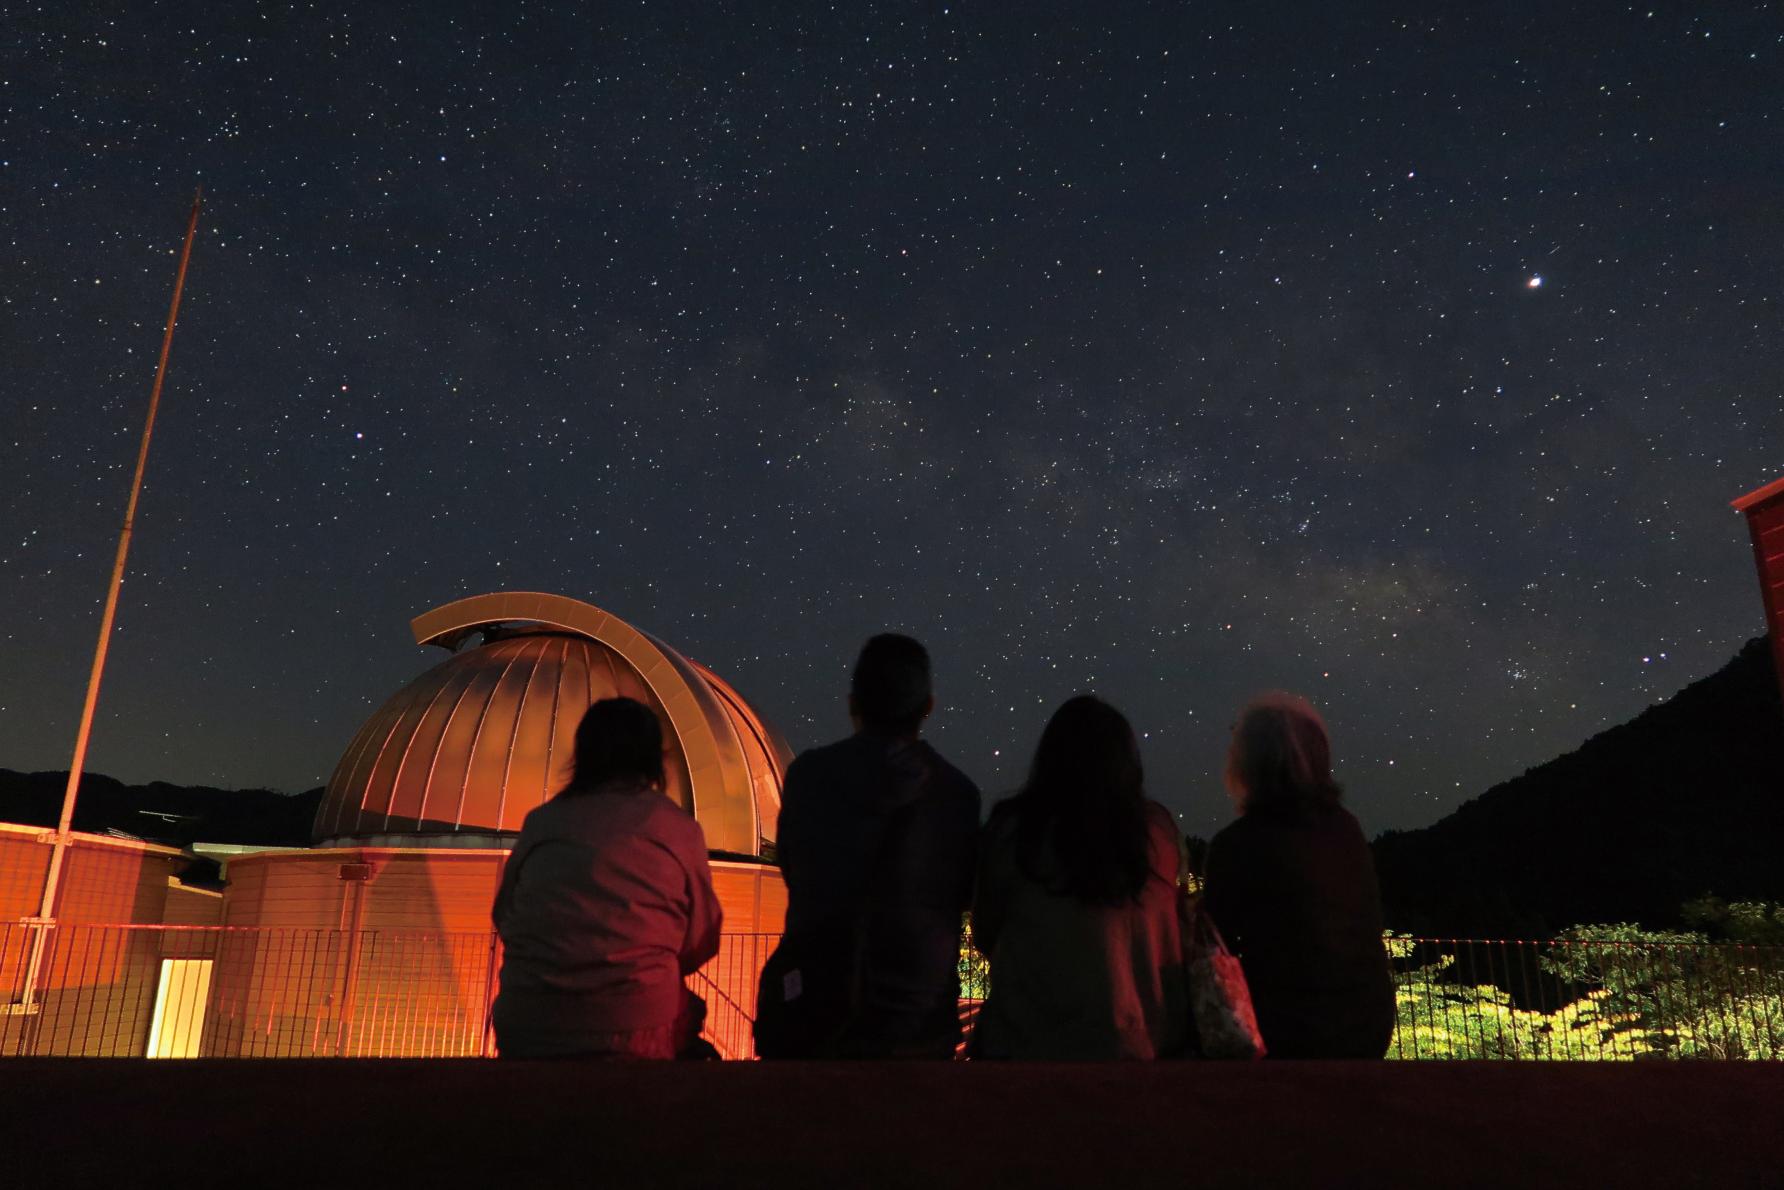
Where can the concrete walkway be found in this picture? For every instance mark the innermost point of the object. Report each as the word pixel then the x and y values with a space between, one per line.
pixel 95 1122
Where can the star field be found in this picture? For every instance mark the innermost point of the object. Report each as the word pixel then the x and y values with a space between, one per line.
pixel 1405 359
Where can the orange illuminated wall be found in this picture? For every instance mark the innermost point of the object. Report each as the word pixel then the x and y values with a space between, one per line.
pixel 1765 518
pixel 97 986
pixel 390 951
pixel 354 950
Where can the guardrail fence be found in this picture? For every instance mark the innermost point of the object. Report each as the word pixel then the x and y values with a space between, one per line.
pixel 270 992
pixel 1587 1000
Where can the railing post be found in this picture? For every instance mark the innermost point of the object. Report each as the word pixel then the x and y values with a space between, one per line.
pixel 29 1009
pixel 356 876
pixel 489 996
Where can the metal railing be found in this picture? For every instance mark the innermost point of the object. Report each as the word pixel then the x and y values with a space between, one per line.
pixel 1586 1000
pixel 220 991
pixel 250 992
pixel 728 985
pixel 274 992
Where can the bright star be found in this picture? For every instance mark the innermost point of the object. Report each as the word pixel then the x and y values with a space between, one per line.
pixel 1534 282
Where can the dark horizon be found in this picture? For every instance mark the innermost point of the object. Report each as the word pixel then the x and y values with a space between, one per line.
pixel 1406 360
pixel 1743 673
pixel 1592 836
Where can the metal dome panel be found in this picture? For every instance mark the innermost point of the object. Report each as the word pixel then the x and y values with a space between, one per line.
pixel 472 745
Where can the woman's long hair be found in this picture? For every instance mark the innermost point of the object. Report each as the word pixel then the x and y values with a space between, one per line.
pixel 1281 757
pixel 1081 819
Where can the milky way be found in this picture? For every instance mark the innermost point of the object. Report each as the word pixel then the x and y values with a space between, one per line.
pixel 1409 361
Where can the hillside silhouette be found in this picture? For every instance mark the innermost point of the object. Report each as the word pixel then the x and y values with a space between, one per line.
pixel 176 815
pixel 1685 799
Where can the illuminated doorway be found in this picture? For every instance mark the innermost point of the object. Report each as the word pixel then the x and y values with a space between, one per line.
pixel 179 1008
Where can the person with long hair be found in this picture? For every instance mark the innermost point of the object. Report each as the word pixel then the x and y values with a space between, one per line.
pixel 605 905
pixel 1076 903
pixel 1291 884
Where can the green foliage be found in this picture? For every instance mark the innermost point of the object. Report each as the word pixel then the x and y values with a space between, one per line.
pixel 1440 1018
pixel 1627 993
pixel 975 968
pixel 1750 1026
pixel 1624 992
pixel 1694 998
pixel 1758 923
pixel 1624 959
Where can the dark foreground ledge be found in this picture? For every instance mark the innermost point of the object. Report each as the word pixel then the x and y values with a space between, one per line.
pixel 95 1122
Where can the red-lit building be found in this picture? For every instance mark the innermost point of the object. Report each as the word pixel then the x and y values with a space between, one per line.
pixel 1765 518
pixel 419 816
pixel 377 940
pixel 102 978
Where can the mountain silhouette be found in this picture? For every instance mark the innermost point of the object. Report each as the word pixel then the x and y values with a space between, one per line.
pixel 176 815
pixel 1685 799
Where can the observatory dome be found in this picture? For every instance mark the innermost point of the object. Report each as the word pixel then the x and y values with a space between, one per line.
pixel 465 750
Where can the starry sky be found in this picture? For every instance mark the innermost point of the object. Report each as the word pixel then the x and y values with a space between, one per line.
pixel 1405 356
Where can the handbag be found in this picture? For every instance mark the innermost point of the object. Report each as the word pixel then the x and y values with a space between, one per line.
pixel 1219 998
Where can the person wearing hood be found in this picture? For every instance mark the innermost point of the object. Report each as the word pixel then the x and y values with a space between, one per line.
pixel 876 844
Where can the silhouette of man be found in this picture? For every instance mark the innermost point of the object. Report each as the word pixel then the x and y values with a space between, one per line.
pixel 876 845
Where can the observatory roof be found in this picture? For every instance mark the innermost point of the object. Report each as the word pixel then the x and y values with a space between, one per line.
pixel 470 746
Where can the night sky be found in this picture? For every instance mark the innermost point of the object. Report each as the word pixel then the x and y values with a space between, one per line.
pixel 1404 357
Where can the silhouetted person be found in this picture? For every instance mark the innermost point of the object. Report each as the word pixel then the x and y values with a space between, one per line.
pixel 1291 885
pixel 605 904
pixel 876 845
pixel 1076 905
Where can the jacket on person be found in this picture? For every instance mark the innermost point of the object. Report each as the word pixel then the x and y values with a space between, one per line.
pixel 1293 891
pixel 875 843
pixel 1073 980
pixel 605 904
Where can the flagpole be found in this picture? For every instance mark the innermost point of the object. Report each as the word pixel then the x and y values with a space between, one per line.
pixel 46 914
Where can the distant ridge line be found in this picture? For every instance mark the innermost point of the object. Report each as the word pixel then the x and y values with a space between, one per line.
pixel 1685 799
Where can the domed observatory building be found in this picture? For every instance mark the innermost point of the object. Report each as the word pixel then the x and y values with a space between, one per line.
pixel 418 817
pixel 460 755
